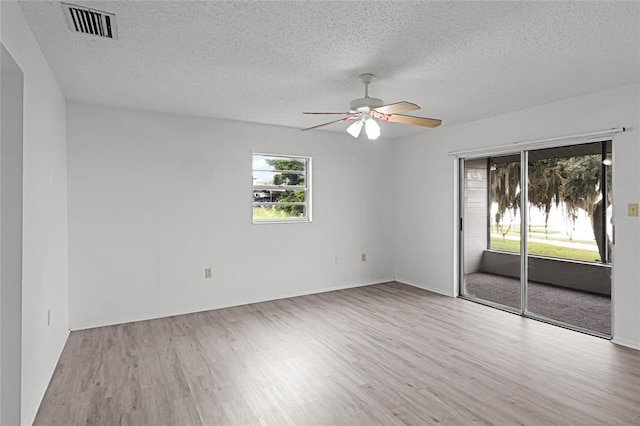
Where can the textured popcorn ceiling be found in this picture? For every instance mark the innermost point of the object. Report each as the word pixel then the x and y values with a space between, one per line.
pixel 266 62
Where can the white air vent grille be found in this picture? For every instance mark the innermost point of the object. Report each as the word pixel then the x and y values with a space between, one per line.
pixel 90 21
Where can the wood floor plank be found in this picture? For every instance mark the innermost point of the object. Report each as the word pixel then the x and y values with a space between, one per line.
pixel 385 354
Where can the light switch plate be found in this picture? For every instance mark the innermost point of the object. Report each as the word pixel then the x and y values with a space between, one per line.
pixel 633 209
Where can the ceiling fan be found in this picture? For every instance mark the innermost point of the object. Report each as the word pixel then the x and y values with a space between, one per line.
pixel 364 112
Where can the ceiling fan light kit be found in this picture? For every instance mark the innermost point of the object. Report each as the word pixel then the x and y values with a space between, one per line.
pixel 364 112
pixel 355 128
pixel 372 128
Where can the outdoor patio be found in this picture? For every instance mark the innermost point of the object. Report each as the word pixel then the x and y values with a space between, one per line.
pixel 583 309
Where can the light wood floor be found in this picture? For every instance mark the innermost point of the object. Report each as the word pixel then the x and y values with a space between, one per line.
pixel 384 354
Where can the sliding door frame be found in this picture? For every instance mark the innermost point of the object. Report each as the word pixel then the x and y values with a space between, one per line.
pixel 460 210
pixel 524 226
pixel 523 150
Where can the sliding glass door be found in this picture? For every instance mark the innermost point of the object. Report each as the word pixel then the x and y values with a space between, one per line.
pixel 491 227
pixel 543 252
pixel 569 236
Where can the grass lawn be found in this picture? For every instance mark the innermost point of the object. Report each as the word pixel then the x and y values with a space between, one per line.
pixel 537 231
pixel 270 213
pixel 550 250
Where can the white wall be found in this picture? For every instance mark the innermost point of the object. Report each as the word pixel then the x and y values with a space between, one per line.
pixel 44 239
pixel 155 198
pixel 12 83
pixel 425 231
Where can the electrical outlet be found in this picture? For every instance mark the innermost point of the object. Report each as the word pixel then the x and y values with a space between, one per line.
pixel 207 273
pixel 364 257
pixel 633 209
pixel 337 259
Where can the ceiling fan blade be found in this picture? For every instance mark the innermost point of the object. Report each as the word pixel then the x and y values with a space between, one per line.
pixel 326 124
pixel 334 113
pixel 416 121
pixel 403 106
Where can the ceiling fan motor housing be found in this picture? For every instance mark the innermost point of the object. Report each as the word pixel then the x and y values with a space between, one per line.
pixel 365 104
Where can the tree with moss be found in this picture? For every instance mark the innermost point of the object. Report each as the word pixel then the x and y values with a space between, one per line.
pixel 505 191
pixel 575 182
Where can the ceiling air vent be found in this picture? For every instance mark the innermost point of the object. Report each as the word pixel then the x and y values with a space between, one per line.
pixel 90 21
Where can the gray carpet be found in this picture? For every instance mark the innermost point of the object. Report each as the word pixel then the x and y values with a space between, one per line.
pixel 586 310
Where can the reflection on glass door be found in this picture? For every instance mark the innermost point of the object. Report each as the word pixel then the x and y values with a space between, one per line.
pixel 491 230
pixel 569 236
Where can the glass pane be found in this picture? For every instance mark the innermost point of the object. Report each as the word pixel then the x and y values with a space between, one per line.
pixel 278 178
pixel 269 211
pixel 279 196
pixel 567 236
pixel 267 163
pixel 491 230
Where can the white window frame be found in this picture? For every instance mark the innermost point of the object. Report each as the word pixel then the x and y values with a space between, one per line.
pixel 306 188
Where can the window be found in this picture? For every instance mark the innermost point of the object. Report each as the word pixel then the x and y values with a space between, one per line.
pixel 281 188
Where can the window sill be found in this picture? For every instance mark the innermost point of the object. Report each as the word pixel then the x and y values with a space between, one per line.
pixel 267 221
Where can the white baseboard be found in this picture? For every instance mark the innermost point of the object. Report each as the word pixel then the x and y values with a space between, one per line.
pixel 174 312
pixel 426 287
pixel 624 342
